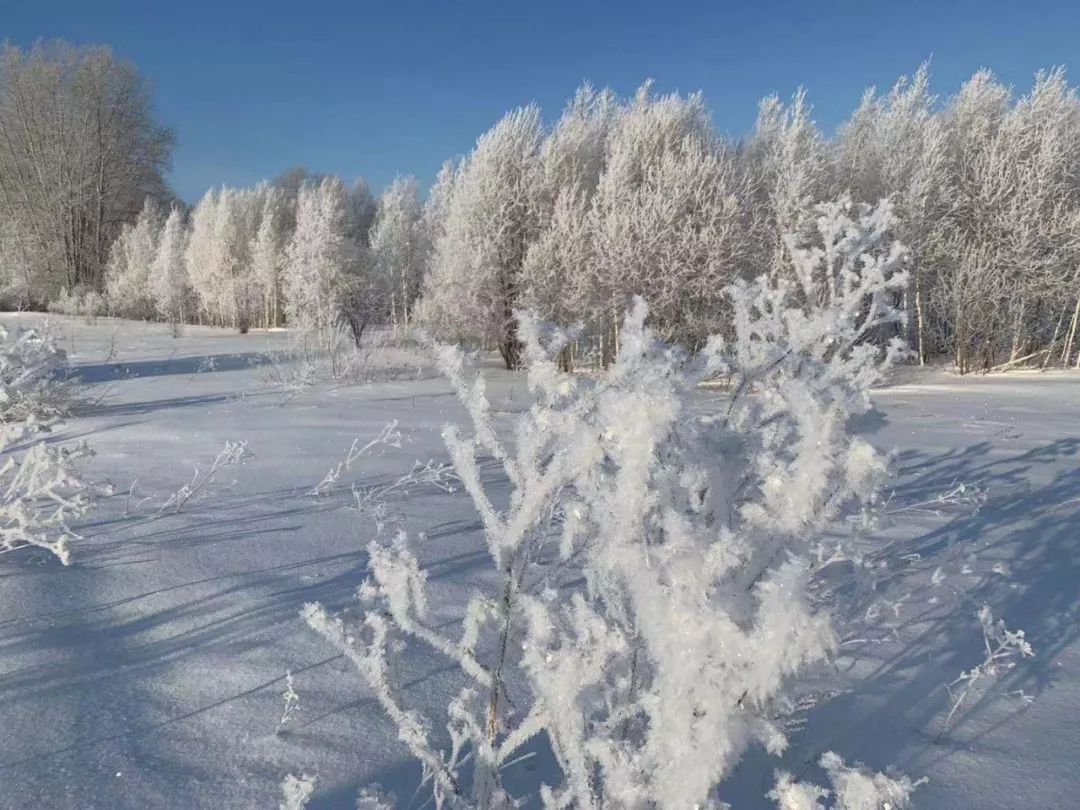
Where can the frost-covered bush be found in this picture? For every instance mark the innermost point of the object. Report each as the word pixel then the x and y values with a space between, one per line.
pixel 1002 649
pixel 83 302
pixel 31 375
pixel 853 788
pixel 40 492
pixel 654 554
pixel 233 454
pixel 308 359
pixel 66 303
pixel 296 792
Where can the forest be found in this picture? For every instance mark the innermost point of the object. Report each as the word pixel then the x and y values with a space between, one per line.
pixel 573 218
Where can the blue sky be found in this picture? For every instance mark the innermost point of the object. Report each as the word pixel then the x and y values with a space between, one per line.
pixel 375 89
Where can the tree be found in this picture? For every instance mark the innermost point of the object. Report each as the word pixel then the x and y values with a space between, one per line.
pixel 556 273
pixel 80 151
pixel 791 163
pixel 654 147
pixel 268 254
pixel 895 146
pixel 200 253
pixel 247 290
pixel 558 264
pixel 128 276
pixel 490 220
pixel 319 258
pixel 399 247
pixel 169 279
pixel 1009 245
pixel 574 154
pixel 363 208
pixel 965 301
pixel 680 240
pixel 223 227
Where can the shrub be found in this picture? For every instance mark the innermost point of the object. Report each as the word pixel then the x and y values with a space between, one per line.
pixel 32 383
pixel 652 562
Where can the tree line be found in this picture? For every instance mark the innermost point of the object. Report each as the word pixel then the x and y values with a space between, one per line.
pixel 616 198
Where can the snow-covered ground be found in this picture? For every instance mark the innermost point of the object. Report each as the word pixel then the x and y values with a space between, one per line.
pixel 150 673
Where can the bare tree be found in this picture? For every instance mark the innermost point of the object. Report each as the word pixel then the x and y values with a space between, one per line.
pixel 80 150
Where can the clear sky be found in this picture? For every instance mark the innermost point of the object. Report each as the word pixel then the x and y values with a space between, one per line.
pixel 253 87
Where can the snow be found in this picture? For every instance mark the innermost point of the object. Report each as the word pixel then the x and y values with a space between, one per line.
pixel 150 672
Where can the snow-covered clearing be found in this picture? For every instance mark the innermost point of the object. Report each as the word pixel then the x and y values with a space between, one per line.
pixel 151 672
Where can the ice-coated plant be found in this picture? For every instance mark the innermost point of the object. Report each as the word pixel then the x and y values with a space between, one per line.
pixel 1002 649
pixel 292 702
pixel 854 787
pixel 233 454
pixel 31 384
pixel 296 792
pixel 389 436
pixel 653 556
pixel 41 492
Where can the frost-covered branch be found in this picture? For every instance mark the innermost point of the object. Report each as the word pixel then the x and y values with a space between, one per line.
pixel 854 787
pixel 233 454
pixel 297 792
pixel 389 436
pixel 31 384
pixel 1003 648
pixel 40 492
pixel 292 702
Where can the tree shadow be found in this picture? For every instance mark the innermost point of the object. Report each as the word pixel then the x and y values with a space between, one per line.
pixel 92 373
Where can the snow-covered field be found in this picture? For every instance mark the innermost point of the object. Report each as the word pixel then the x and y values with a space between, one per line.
pixel 151 672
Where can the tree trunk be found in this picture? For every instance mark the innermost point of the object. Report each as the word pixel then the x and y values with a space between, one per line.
pixel 510 349
pixel 510 346
pixel 1017 337
pixel 566 358
pixel 1067 353
pixel 920 327
pixel 1053 341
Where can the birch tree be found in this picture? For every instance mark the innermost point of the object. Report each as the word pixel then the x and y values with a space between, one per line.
pixel 80 151
pixel 168 274
pixel 793 169
pixel 267 252
pixel 129 271
pixel 895 146
pixel 491 217
pixel 654 147
pixel 318 258
pixel 557 268
pixel 399 247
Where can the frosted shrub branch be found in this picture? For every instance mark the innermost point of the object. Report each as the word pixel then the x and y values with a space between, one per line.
pixel 652 565
pixel 292 701
pixel 853 788
pixel 40 493
pixel 297 792
pixel 389 436
pixel 1002 649
pixel 31 386
pixel 422 474
pixel 233 454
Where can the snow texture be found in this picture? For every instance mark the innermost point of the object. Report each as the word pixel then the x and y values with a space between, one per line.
pixel 150 672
